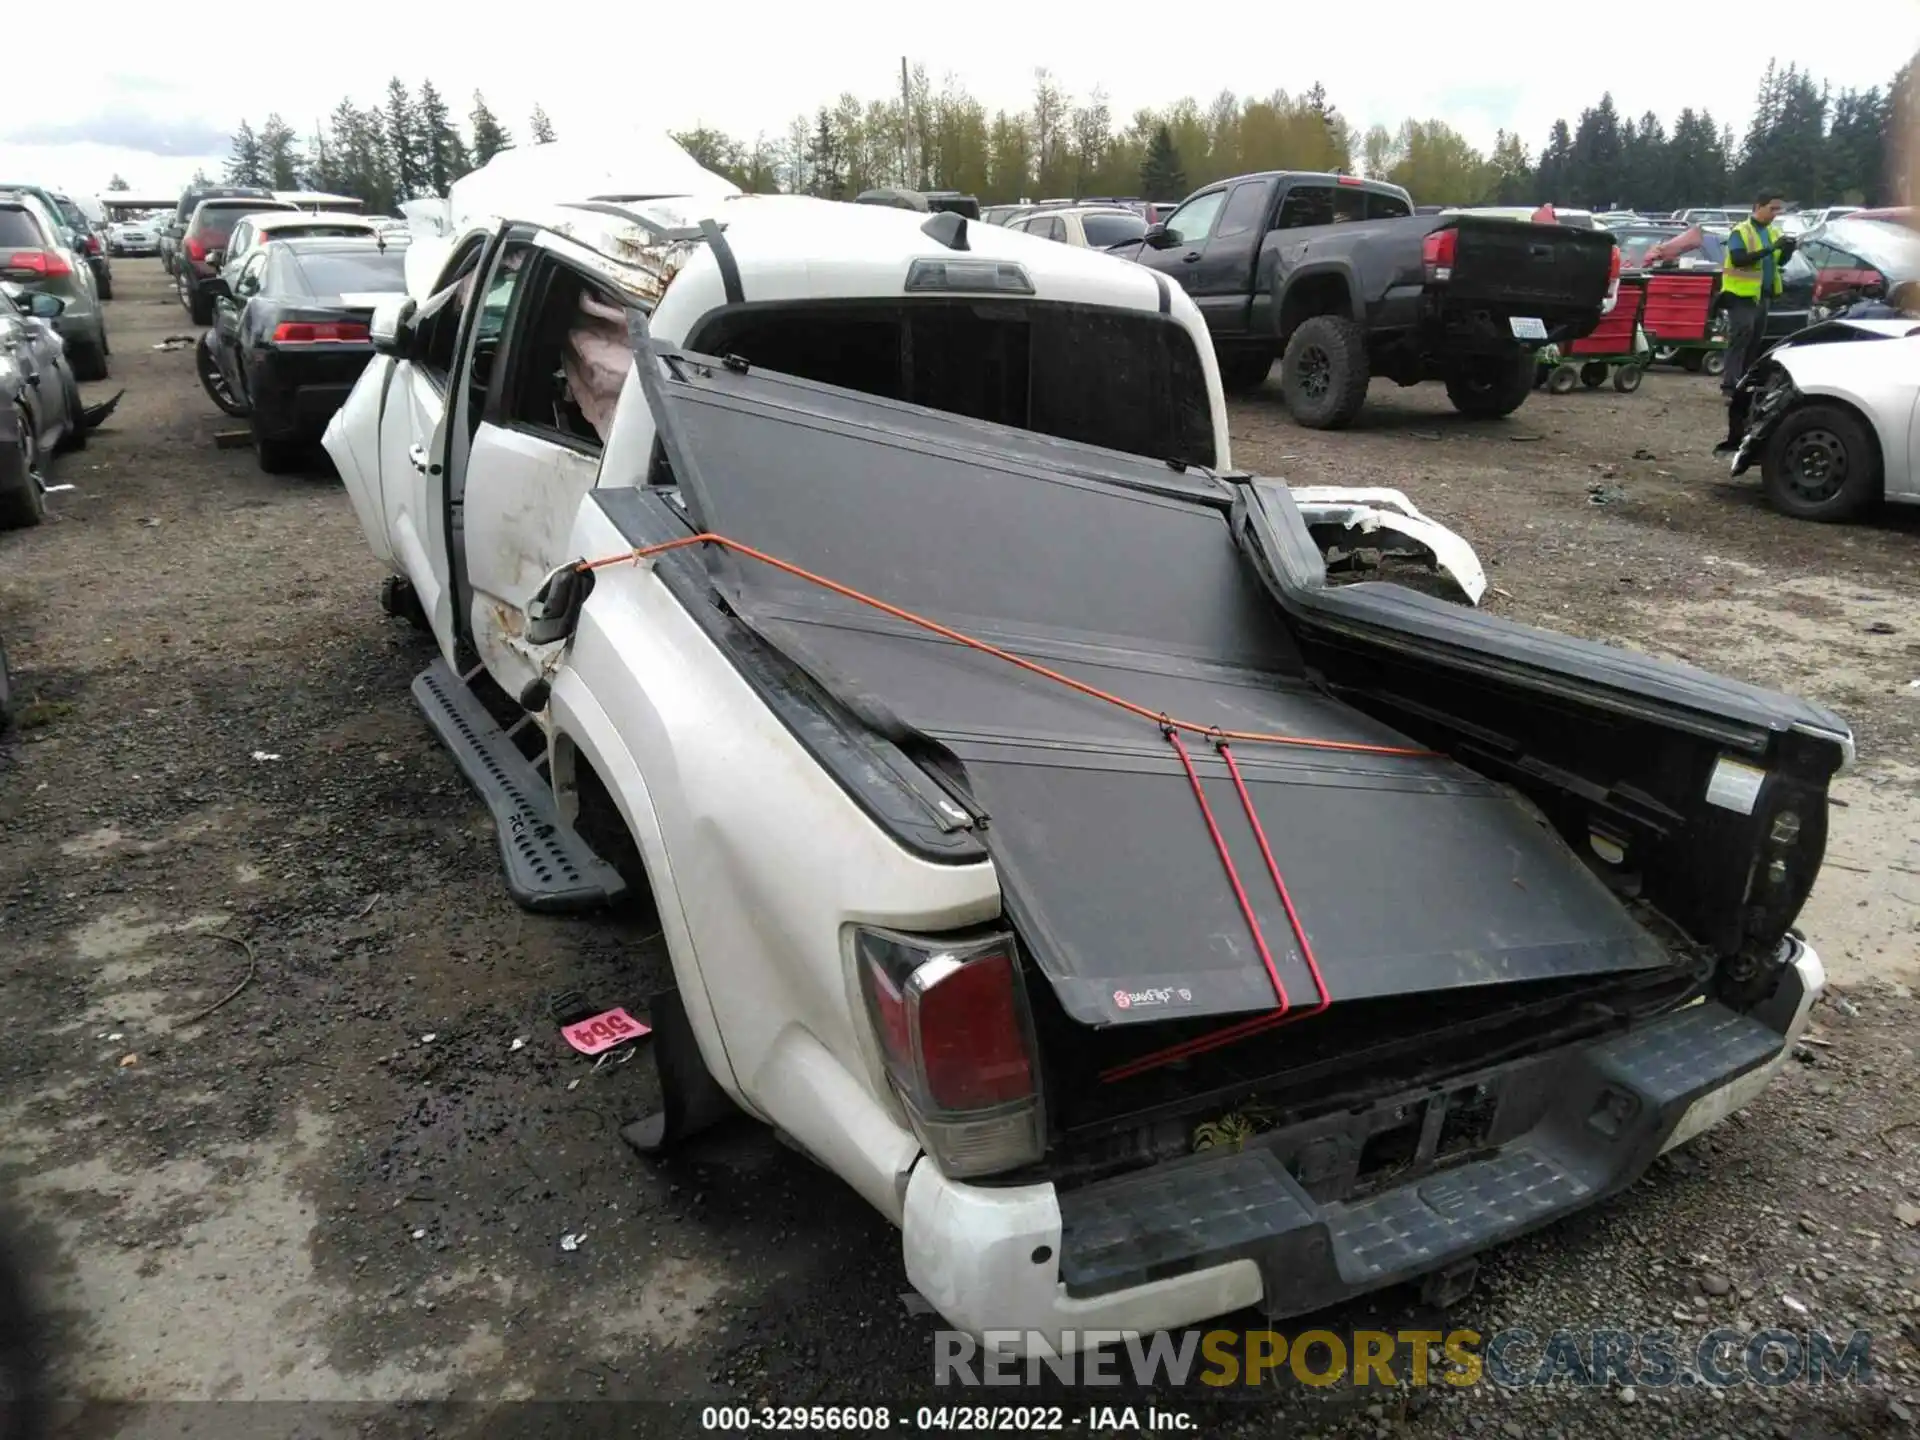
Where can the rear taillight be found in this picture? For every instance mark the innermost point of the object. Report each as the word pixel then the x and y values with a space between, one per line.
pixel 318 332
pixel 1437 252
pixel 957 1042
pixel 196 249
pixel 48 264
pixel 93 244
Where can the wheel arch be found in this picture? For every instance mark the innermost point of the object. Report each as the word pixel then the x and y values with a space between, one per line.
pixel 581 734
pixel 1325 288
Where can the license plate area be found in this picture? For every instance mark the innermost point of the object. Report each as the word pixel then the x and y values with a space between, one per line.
pixel 1527 327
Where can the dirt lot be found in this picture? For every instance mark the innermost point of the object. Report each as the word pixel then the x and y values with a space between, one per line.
pixel 347 1183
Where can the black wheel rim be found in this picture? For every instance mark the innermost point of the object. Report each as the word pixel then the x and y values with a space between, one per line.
pixel 1313 368
pixel 1815 466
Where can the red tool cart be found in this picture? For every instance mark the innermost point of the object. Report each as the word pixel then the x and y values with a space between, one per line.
pixel 1681 321
pixel 1616 347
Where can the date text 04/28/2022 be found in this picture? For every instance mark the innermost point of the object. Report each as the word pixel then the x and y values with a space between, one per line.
pixel 1092 1419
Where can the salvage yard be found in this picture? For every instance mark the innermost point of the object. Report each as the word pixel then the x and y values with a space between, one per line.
pixel 289 1118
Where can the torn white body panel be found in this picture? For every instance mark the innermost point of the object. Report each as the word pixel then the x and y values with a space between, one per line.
pixel 1377 514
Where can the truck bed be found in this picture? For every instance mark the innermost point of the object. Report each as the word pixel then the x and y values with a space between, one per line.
pixel 1413 875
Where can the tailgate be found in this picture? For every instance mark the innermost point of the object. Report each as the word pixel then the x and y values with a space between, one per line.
pixel 1527 267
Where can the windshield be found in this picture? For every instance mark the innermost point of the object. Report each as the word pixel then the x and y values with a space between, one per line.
pixel 17 229
pixel 354 274
pixel 214 223
pixel 1105 230
pixel 1634 244
pixel 1890 249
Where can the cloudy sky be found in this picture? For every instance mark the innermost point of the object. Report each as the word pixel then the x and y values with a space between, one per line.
pixel 168 95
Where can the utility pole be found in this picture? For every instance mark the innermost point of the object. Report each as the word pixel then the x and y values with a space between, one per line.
pixel 906 128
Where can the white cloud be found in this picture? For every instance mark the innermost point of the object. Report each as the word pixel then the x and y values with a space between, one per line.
pixel 750 67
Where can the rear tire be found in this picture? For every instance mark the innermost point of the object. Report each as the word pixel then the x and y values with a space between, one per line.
pixel 24 506
pixel 89 357
pixel 1486 387
pixel 1692 361
pixel 214 381
pixel 276 457
pixel 1593 374
pixel 106 287
pixel 1714 362
pixel 193 297
pixel 1323 374
pixel 1821 464
pixel 1243 370
pixel 1562 380
pixel 1626 378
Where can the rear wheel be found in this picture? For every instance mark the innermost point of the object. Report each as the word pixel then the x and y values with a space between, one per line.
pixel 1242 370
pixel 1693 361
pixel 23 504
pixel 89 357
pixel 1593 374
pixel 1626 378
pixel 1323 374
pixel 276 457
pixel 1486 387
pixel 106 286
pixel 214 381
pixel 1714 362
pixel 193 296
pixel 1821 464
pixel 1562 380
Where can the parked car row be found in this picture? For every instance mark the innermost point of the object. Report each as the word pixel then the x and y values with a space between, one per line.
pixel 40 252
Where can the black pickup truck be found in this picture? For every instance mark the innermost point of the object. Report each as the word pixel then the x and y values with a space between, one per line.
pixel 1341 279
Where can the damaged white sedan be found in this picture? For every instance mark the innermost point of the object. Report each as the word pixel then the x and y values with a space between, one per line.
pixel 1015 790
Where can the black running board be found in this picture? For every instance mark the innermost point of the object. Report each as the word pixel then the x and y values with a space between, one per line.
pixel 549 868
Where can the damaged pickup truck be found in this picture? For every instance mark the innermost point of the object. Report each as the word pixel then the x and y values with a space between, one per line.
pixel 1144 925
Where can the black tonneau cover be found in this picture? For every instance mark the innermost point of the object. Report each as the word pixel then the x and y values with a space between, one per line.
pixel 1410 875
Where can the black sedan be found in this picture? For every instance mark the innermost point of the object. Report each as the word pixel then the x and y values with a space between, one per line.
pixel 289 337
pixel 40 409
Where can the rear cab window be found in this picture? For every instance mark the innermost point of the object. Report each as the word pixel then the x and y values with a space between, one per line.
pixel 1314 204
pixel 1106 230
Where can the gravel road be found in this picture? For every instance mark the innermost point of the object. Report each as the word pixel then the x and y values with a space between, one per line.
pixel 346 1183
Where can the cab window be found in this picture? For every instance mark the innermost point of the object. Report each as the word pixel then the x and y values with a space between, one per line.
pixel 1192 221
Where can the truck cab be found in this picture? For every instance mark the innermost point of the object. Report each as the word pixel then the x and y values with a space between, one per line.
pixel 497 398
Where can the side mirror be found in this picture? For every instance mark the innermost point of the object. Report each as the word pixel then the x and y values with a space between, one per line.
pixel 554 611
pixel 1158 237
pixel 45 307
pixel 391 328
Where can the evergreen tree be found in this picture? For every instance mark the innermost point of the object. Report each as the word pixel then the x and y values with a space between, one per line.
pixel 1697 161
pixel 1593 174
pixel 279 154
pixel 201 180
pixel 490 137
pixel 118 182
pixel 826 159
pixel 243 165
pixel 407 155
pixel 1556 165
pixel 443 152
pixel 1161 177
pixel 539 127
pixel 1509 171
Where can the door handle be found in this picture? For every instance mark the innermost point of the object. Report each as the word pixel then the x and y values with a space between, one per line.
pixel 417 455
pixel 1191 256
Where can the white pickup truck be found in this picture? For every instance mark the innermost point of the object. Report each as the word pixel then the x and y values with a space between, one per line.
pixel 876 591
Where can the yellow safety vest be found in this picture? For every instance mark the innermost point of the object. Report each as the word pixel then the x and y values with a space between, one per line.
pixel 1755 238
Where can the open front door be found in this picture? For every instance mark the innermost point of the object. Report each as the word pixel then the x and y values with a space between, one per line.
pixel 413 445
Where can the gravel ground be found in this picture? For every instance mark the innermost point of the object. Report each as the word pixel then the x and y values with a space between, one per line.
pixel 347 1184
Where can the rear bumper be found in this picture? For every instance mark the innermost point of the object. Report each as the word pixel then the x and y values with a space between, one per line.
pixel 1181 1242
pixel 294 400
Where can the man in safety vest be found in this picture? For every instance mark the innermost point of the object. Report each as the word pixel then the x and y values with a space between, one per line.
pixel 1750 277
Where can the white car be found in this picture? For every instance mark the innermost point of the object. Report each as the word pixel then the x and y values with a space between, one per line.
pixel 878 593
pixel 1092 227
pixel 1834 419
pixel 250 232
pixel 133 237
